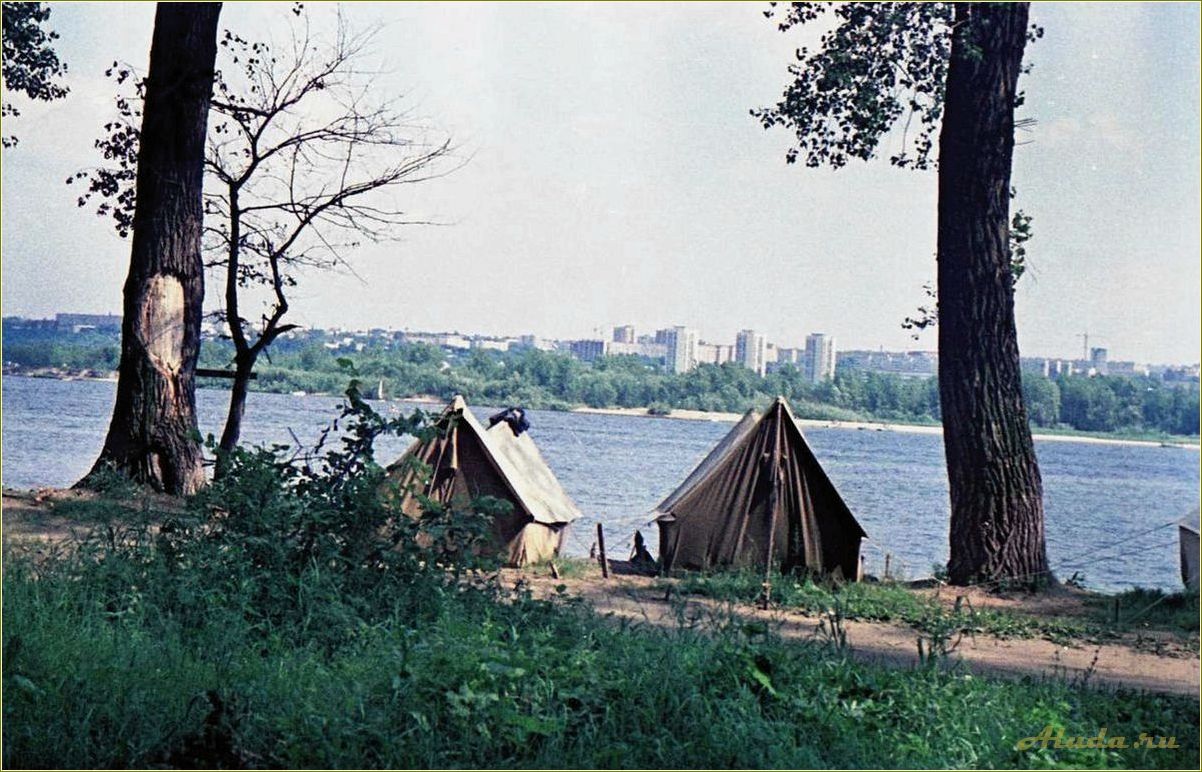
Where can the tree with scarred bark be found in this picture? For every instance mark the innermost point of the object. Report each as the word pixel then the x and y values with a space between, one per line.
pixel 303 162
pixel 952 69
pixel 153 437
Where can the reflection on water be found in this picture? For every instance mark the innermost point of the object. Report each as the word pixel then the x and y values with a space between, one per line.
pixel 617 468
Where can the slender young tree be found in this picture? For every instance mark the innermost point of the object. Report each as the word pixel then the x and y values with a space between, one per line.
pixel 303 162
pixel 952 69
pixel 153 436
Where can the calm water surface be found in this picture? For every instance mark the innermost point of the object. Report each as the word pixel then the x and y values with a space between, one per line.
pixel 1102 501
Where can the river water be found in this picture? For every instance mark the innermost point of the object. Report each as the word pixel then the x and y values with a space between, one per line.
pixel 1109 507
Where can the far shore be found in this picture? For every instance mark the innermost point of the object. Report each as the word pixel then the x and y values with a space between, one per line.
pixel 724 417
pixel 702 415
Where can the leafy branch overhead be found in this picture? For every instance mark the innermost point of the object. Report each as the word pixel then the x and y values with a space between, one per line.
pixel 877 75
pixel 880 65
pixel 305 161
pixel 31 66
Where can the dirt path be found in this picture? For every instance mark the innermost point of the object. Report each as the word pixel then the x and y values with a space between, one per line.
pixel 44 519
pixel 642 600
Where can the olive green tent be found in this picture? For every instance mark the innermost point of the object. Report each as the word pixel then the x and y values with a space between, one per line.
pixel 759 497
pixel 466 461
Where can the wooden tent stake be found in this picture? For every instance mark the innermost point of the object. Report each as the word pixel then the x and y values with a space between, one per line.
pixel 601 550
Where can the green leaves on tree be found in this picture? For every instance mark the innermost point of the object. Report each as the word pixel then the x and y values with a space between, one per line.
pixel 31 66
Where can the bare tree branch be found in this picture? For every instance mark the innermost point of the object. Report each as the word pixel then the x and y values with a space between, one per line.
pixel 304 161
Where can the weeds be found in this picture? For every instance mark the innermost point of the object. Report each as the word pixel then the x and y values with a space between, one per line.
pixel 831 629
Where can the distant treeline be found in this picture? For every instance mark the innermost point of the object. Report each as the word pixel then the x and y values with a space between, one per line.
pixel 87 351
pixel 538 379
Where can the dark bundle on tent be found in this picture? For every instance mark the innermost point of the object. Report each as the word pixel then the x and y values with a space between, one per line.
pixel 515 417
pixel 760 498
pixel 467 461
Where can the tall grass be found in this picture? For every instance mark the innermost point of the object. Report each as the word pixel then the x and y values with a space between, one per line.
pixel 484 682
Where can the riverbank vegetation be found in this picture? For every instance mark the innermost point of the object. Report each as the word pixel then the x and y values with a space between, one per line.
pixel 281 617
pixel 217 642
pixel 425 674
pixel 1124 407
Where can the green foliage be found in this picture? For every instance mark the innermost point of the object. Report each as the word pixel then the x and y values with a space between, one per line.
pixel 479 682
pixel 1042 398
pixel 1020 233
pixel 90 355
pixel 1141 608
pixel 1110 403
pixel 878 64
pixel 541 380
pixel 31 66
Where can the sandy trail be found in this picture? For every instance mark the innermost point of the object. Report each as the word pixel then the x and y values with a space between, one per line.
pixel 1111 665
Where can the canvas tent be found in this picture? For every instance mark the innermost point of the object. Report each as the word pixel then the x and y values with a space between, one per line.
pixel 1187 543
pixel 759 496
pixel 467 461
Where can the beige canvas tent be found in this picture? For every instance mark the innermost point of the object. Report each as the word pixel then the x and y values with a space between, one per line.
pixel 467 461
pixel 760 496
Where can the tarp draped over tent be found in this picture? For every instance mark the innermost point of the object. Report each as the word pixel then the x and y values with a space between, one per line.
pixel 467 461
pixel 759 498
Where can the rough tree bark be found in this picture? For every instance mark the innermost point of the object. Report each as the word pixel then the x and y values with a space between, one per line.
pixel 153 435
pixel 997 524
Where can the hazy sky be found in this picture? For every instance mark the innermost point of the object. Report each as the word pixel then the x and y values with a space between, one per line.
pixel 613 175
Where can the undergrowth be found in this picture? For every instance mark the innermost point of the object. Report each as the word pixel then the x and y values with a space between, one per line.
pixel 289 618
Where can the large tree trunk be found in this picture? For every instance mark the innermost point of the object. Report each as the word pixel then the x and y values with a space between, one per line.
pixel 997 523
pixel 153 436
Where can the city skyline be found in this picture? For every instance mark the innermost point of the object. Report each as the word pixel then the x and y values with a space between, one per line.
pixel 609 334
pixel 618 175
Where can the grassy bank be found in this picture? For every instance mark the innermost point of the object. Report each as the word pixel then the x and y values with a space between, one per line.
pixel 477 681
pixel 235 643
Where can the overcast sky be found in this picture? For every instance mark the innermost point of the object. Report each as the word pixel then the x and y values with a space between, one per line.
pixel 613 175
